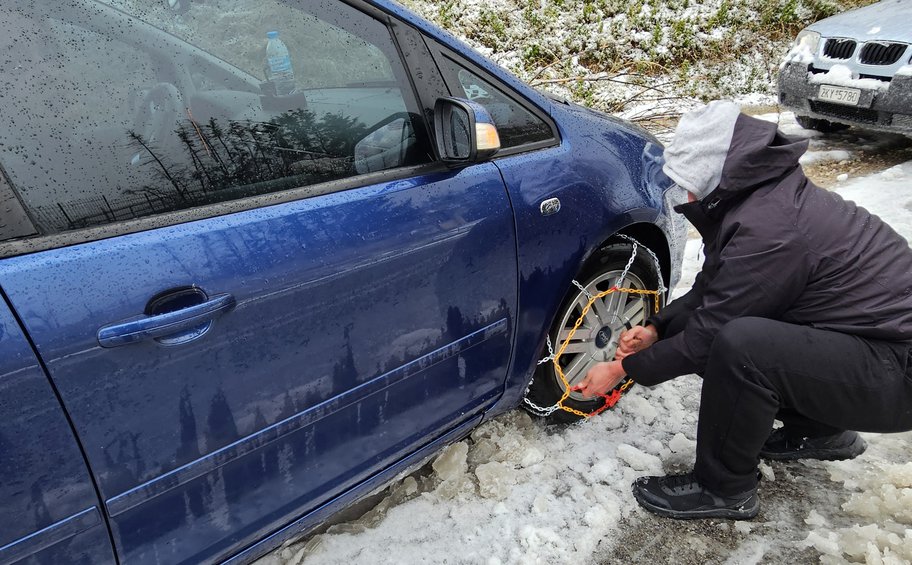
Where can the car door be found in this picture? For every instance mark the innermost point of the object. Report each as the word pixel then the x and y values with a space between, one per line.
pixel 51 512
pixel 248 303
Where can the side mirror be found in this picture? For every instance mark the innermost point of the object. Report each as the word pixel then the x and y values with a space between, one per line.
pixel 465 132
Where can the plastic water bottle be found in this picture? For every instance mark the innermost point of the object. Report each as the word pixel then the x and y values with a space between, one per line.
pixel 278 65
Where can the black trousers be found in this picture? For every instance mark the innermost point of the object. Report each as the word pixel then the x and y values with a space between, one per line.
pixel 817 382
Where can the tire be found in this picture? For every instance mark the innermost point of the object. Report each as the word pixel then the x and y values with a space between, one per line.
pixel 823 126
pixel 592 343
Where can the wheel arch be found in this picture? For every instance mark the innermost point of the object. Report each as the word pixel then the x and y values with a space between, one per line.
pixel 539 388
pixel 646 233
pixel 529 347
pixel 649 235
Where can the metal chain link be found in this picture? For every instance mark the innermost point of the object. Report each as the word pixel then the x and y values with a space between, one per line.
pixel 550 350
pixel 655 259
pixel 612 398
pixel 630 261
pixel 582 289
pixel 538 410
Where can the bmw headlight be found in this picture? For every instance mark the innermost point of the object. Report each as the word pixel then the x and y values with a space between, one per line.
pixel 809 39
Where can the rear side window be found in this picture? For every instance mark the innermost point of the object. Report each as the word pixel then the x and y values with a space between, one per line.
pixel 515 124
pixel 116 112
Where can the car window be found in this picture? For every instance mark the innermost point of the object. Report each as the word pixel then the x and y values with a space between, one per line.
pixel 515 124
pixel 117 111
pixel 13 220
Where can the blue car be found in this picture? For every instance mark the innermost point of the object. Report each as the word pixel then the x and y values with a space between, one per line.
pixel 240 292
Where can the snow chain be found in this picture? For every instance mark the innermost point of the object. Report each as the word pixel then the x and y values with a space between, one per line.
pixel 611 398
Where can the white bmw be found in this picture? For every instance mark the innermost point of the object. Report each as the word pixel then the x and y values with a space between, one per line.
pixel 854 68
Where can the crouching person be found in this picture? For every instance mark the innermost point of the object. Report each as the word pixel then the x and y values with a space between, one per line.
pixel 802 312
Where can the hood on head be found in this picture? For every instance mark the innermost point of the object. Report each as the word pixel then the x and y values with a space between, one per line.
pixel 696 154
pixel 758 153
pixel 717 146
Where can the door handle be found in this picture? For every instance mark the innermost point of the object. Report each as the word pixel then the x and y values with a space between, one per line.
pixel 162 325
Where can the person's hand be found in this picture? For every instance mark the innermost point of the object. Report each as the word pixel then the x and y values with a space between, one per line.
pixel 635 339
pixel 601 378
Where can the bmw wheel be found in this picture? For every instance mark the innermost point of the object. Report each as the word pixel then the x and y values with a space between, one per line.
pixel 597 337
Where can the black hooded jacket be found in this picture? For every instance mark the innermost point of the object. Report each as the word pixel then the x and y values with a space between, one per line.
pixel 776 246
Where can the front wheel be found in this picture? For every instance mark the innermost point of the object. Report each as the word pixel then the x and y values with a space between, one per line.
pixel 596 338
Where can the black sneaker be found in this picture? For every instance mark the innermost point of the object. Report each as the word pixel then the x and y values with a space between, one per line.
pixel 682 497
pixel 837 447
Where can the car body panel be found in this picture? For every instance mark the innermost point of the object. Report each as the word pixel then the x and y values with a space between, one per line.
pixel 600 180
pixel 374 320
pixel 317 517
pixel 50 507
pixel 608 176
pixel 352 344
pixel 884 90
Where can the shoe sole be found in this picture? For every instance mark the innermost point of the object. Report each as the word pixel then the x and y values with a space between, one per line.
pixel 743 513
pixel 852 451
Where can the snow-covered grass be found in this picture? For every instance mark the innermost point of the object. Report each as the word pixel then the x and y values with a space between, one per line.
pixel 519 492
pixel 635 58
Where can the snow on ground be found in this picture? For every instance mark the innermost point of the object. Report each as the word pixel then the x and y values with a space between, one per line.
pixel 519 492
pixel 888 194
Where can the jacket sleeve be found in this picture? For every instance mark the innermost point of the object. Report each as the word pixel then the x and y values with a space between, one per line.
pixel 761 271
pixel 683 306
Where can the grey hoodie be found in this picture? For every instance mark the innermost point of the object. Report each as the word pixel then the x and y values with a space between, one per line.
pixel 695 157
pixel 779 247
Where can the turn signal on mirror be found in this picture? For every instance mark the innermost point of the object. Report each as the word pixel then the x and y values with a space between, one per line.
pixel 487 136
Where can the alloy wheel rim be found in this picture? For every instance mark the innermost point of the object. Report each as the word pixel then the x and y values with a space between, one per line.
pixel 597 337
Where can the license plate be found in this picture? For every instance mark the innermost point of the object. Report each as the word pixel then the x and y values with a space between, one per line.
pixel 839 95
